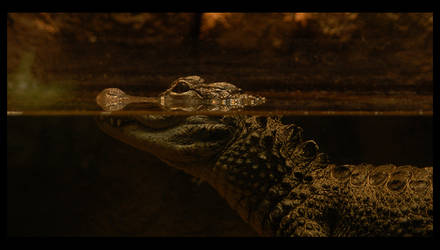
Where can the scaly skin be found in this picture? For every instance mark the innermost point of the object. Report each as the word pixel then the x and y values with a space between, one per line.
pixel 283 186
pixel 280 184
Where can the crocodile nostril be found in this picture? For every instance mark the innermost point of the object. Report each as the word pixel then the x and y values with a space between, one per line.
pixel 181 87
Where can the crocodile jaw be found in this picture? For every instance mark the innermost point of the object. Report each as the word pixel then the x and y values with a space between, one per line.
pixel 189 143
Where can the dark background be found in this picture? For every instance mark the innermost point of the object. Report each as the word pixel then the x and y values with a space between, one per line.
pixel 263 51
pixel 66 177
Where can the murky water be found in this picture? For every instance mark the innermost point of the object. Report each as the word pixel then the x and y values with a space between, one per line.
pixel 67 177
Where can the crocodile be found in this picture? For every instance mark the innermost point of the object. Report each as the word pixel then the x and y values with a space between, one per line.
pixel 277 181
pixel 185 94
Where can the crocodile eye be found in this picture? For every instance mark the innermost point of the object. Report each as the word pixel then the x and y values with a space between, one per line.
pixel 180 87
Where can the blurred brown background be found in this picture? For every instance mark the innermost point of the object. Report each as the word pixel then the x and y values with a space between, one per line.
pixel 281 51
pixel 65 177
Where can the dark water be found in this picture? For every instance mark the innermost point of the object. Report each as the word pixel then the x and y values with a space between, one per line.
pixel 66 177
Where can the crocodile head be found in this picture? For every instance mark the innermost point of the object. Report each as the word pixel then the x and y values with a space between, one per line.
pixel 190 143
pixel 191 93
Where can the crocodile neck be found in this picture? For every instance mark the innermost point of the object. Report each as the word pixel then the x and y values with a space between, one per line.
pixel 282 186
pixel 265 161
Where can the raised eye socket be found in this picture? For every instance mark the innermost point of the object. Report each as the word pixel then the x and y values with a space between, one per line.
pixel 180 87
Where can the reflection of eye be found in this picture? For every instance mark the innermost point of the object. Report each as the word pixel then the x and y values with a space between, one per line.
pixel 180 87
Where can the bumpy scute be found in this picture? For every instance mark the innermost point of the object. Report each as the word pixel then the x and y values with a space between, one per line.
pixel 359 175
pixel 420 181
pixel 341 172
pixel 398 180
pixel 379 175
